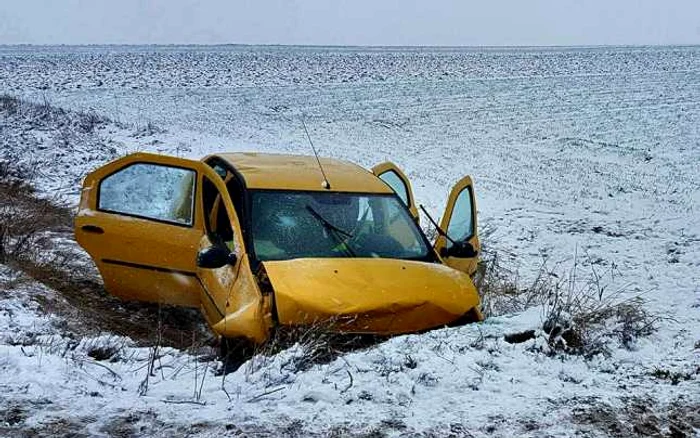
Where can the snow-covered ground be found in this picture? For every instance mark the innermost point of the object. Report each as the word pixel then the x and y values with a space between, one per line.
pixel 593 152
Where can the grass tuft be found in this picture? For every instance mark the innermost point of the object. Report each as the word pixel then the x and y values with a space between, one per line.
pixel 581 314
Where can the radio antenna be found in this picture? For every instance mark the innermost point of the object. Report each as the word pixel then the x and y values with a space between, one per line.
pixel 326 185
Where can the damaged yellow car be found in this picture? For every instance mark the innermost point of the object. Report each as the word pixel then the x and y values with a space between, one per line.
pixel 263 240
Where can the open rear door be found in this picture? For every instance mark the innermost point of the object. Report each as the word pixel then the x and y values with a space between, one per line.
pixel 399 183
pixel 140 220
pixel 460 248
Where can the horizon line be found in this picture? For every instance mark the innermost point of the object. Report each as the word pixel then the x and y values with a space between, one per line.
pixel 370 46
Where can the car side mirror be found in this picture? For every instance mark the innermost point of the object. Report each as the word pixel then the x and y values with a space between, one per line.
pixel 460 250
pixel 215 257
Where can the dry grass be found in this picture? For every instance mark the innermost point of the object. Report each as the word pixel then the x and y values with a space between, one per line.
pixel 42 115
pixel 321 343
pixel 25 219
pixel 582 315
pixel 500 288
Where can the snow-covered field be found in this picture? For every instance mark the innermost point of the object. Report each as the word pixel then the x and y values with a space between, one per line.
pixel 586 153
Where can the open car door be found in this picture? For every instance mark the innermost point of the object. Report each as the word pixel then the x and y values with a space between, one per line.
pixel 399 183
pixel 460 248
pixel 140 220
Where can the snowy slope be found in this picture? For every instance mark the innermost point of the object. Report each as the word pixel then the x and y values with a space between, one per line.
pixel 450 380
pixel 586 151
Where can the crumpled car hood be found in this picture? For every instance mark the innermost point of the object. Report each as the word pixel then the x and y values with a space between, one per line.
pixel 363 295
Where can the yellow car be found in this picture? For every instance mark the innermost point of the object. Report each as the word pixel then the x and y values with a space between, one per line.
pixel 263 240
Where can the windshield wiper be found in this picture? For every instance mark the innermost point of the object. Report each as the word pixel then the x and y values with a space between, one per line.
pixel 335 231
pixel 327 223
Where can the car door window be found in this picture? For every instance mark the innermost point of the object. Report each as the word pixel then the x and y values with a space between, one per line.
pixel 397 185
pixel 461 226
pixel 150 191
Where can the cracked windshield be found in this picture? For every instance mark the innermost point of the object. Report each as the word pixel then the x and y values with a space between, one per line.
pixel 289 225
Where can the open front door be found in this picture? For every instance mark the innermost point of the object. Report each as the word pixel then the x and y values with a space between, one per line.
pixel 231 301
pixel 399 183
pixel 141 222
pixel 460 250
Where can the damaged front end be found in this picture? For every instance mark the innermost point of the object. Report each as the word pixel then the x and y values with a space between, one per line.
pixel 370 295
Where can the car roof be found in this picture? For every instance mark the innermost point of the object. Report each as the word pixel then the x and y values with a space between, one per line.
pixel 301 172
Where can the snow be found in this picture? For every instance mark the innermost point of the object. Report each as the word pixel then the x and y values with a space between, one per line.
pixel 592 152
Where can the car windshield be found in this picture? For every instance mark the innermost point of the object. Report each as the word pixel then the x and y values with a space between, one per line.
pixel 289 225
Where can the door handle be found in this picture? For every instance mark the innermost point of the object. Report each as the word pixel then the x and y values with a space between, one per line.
pixel 94 229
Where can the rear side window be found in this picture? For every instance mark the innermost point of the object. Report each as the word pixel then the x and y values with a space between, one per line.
pixel 396 183
pixel 150 191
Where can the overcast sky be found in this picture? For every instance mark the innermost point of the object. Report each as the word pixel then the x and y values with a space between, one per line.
pixel 351 22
